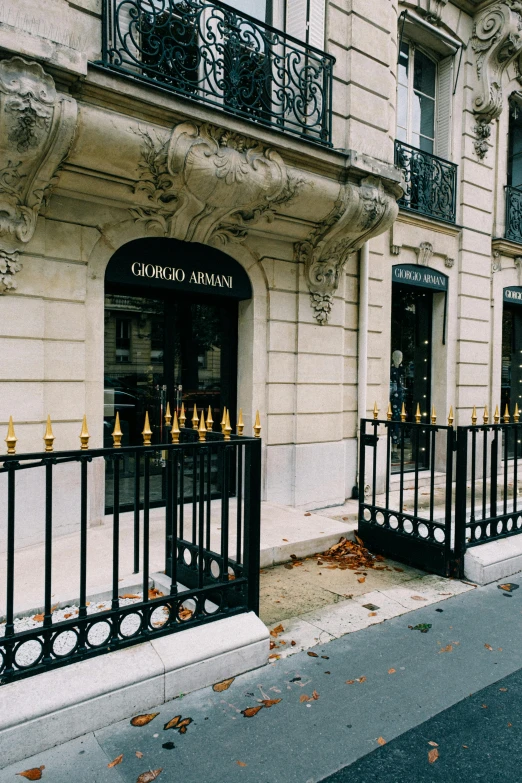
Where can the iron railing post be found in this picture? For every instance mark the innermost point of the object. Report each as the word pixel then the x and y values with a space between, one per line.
pixel 252 531
pixel 460 495
pixel 362 468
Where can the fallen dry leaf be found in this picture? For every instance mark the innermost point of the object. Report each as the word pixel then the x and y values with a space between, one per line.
pixel 312 655
pixel 484 706
pixel 130 595
pixel 276 631
pixel 350 682
pixel 148 777
pixel 418 598
pixel 185 614
pixel 270 702
pixel 285 539
pixel 308 514
pixel 509 725
pixel 274 656
pixel 172 723
pixel 433 755
pixel 116 761
pixel 293 644
pixel 142 720
pixel 488 647
pixel 241 763
pixel 315 695
pixel 219 687
pixel 251 711
pixel 362 579
pixel 433 744
pixel 381 741
pixel 32 774
pixel 391 671
pixel 361 679
pixel 139 754
pixel 155 593
pixel 503 690
pixel 372 614
pixel 38 618
pixel 183 725
pixel 448 648
pixel 66 616
pixel 304 697
pixel 465 746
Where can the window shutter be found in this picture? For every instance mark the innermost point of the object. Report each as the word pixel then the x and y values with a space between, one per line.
pixel 444 100
pixel 316 24
pixel 305 20
pixel 296 18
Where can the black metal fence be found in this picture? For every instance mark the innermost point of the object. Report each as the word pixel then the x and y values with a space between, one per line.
pixel 514 214
pixel 209 52
pixel 456 488
pixel 218 576
pixel 431 183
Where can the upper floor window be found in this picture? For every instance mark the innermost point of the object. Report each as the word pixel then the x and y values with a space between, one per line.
pixel 424 100
pixel 515 147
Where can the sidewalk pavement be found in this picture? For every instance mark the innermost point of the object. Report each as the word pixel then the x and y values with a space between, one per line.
pixel 318 713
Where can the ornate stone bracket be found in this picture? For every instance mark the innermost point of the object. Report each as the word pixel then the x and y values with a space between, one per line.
pixel 362 211
pixel 207 184
pixel 424 253
pixel 496 42
pixel 37 127
pixel 9 266
pixel 431 9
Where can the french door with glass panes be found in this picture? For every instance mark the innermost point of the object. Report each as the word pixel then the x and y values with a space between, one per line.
pixel 416 98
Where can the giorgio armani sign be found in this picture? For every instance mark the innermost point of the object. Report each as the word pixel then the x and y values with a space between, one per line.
pixel 171 265
pixel 422 276
pixel 513 294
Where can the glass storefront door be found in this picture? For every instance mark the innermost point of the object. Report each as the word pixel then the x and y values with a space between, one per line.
pixel 174 349
pixel 410 371
pixel 511 379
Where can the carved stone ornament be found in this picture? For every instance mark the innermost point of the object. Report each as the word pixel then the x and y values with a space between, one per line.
pixel 36 130
pixel 424 253
pixel 206 184
pixel 518 266
pixel 361 211
pixel 449 262
pixel 496 263
pixel 9 266
pixel 431 9
pixel 496 42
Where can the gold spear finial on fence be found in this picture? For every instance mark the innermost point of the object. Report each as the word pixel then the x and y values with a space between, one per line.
pixel 84 435
pixel 375 410
pixel 474 415
pixel 403 413
pixel 516 415
pixel 224 419
pixel 433 415
pixel 389 412
pixel 48 436
pixel 117 434
pixel 11 437
pixel 240 423
pixel 257 426
pixel 228 428
pixel 147 432
pixel 168 416
pixel 182 417
pixel 506 415
pixel 418 415
pixel 496 416
pixel 174 433
pixel 486 415
pixel 195 419
pixel 450 417
pixel 202 429
pixel 210 420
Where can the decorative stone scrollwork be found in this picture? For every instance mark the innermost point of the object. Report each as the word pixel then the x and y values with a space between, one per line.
pixel 496 263
pixel 518 266
pixel 424 253
pixel 9 266
pixel 497 42
pixel 362 211
pixel 36 130
pixel 207 184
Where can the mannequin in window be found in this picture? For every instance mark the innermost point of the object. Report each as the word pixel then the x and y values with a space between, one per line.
pixel 397 391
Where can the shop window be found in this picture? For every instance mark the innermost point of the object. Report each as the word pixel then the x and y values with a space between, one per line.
pixel 123 340
pixel 424 100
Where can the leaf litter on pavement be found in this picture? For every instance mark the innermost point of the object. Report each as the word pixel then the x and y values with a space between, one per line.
pixel 32 774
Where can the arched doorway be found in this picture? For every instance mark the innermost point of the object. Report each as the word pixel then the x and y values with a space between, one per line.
pixel 171 335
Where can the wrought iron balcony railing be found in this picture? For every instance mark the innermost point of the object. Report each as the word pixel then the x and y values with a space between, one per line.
pixel 209 52
pixel 431 183
pixel 514 214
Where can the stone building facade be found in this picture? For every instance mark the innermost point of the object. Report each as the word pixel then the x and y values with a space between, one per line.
pixel 245 221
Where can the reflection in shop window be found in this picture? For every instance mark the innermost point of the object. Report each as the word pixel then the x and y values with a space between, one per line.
pixel 122 340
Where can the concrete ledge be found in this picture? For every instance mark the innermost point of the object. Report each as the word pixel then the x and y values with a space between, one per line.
pixel 59 705
pixel 497 560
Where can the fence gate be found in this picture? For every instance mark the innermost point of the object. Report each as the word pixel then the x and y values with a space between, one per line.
pixel 406 495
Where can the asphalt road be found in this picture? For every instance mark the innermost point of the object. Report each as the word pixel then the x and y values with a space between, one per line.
pixel 388 681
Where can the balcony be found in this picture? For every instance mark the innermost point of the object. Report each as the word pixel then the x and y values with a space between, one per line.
pixel 431 183
pixel 208 52
pixel 514 214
